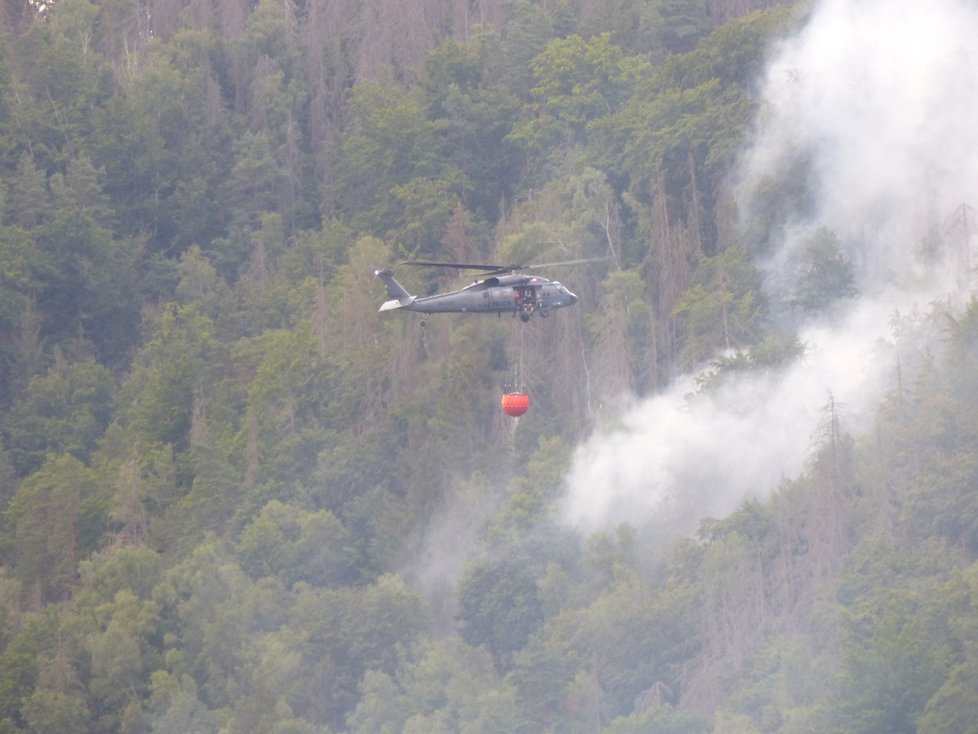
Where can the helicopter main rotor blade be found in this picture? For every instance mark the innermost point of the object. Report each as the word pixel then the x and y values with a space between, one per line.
pixel 564 262
pixel 462 266
pixel 499 268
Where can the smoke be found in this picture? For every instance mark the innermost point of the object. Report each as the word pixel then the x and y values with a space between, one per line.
pixel 878 99
pixel 452 537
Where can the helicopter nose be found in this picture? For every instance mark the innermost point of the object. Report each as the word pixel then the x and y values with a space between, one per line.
pixel 573 298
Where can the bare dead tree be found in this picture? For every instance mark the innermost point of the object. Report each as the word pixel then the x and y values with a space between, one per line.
pixel 958 229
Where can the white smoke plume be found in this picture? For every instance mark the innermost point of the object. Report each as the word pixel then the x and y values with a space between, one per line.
pixel 881 97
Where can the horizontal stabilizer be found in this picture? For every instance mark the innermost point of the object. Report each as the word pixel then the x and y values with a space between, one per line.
pixel 397 303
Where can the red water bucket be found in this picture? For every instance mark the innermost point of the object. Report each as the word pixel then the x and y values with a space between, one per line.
pixel 515 403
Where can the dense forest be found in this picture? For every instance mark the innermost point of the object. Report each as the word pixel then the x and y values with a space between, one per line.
pixel 235 498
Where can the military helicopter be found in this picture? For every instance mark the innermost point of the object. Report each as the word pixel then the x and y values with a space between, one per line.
pixel 503 291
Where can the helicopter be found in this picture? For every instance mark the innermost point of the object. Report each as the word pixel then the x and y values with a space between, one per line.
pixel 504 290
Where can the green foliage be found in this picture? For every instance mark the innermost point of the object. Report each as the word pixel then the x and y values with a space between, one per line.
pixel 390 145
pixel 473 113
pixel 772 353
pixel 57 518
pixel 26 201
pixel 441 686
pixel 953 706
pixel 220 464
pixel 20 665
pixel 823 273
pixel 577 82
pixel 343 633
pixel 50 712
pixel 733 53
pixel 57 85
pixel 662 720
pixel 720 310
pixel 175 706
pixel 675 26
pixel 682 139
pixel 296 546
pixel 528 31
pixel 897 654
pixel 499 607
pixel 534 493
pixel 64 411
pixel 133 569
pixel 62 267
pixel 122 652
pixel 214 614
pixel 166 162
pixel 172 373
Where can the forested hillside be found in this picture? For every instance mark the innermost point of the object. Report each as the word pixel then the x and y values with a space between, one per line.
pixel 236 499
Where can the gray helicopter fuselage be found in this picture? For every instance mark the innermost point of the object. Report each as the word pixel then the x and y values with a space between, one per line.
pixel 516 293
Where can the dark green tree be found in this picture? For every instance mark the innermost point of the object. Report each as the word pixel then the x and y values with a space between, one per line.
pixel 165 143
pixel 896 654
pixel 51 712
pixel 26 202
pixel 341 634
pixel 172 371
pixel 823 273
pixel 20 663
pixel 63 411
pixel 499 607
pixel 57 86
pixel 389 143
pixel 674 26
pixel 89 292
pixel 576 83
pixel 527 32
pixel 293 545
pixel 721 310
pixel 57 518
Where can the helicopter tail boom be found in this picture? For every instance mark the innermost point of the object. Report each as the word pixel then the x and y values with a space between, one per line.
pixel 400 297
